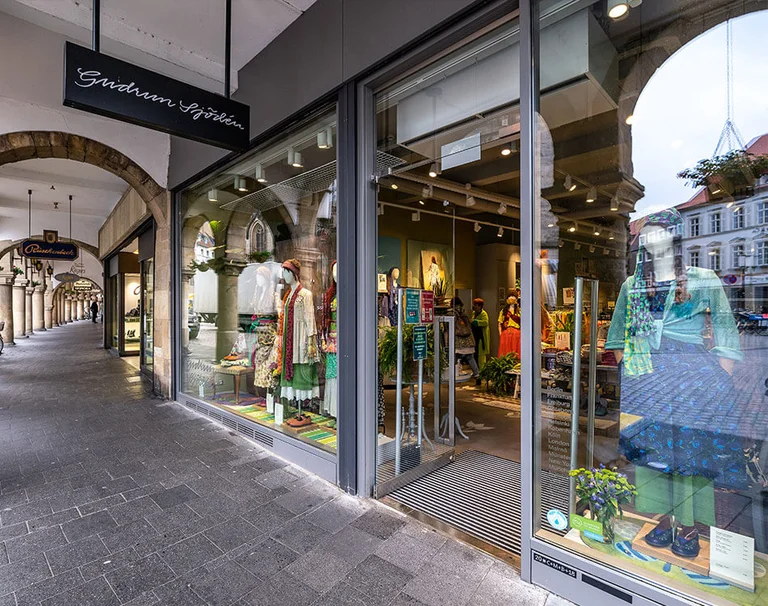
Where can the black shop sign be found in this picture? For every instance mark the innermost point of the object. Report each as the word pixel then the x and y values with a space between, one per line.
pixel 40 249
pixel 103 85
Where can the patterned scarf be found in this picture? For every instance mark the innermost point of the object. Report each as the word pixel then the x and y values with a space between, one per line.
pixel 288 353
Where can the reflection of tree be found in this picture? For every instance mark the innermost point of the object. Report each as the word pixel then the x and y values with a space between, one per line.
pixel 733 173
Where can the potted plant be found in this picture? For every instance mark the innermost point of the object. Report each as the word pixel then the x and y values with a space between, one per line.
pixel 603 491
pixel 732 174
pixel 35 283
pixel 259 256
pixel 18 271
pixel 388 354
pixel 496 375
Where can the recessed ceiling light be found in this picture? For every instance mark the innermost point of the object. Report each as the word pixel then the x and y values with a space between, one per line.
pixel 597 232
pixel 617 9
pixel 572 228
pixel 505 151
pixel 394 186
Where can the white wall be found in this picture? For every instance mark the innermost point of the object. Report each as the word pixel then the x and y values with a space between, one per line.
pixel 31 88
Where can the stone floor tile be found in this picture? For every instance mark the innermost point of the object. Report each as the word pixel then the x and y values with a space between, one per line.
pixel 379 523
pixel 408 552
pixel 173 496
pixel 34 594
pixel 94 593
pixel 281 590
pixel 35 542
pixel 267 558
pixel 269 517
pixel 435 586
pixel 378 579
pixel 320 570
pixel 343 594
pixel 224 584
pixel 28 511
pixel 300 535
pixel 14 530
pixel 134 510
pixel 232 533
pixel 352 545
pixel 105 564
pixel 88 525
pixel 53 519
pixel 101 504
pixel 338 513
pixel 23 573
pixel 178 593
pixel 189 554
pixel 497 588
pixel 137 577
pixel 75 554
pixel 299 500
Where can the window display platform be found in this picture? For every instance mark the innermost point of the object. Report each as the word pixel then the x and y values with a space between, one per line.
pixel 276 439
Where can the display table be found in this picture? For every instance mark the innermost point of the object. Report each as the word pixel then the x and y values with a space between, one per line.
pixel 237 372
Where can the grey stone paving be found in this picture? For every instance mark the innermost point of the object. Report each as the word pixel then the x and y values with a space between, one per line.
pixel 111 496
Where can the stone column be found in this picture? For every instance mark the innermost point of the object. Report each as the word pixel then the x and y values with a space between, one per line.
pixel 38 308
pixel 19 305
pixel 28 309
pixel 6 304
pixel 68 309
pixel 226 322
pixel 186 288
pixel 80 315
pixel 48 302
pixel 54 311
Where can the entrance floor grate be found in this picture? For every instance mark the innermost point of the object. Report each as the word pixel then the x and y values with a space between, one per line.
pixel 480 494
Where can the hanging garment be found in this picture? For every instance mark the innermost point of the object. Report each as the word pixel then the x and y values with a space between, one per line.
pixel 298 347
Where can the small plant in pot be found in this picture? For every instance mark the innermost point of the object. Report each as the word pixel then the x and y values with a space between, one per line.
pixel 496 375
pixel 603 491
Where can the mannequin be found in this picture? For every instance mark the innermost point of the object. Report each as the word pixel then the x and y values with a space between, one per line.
pixel 263 302
pixel 389 302
pixel 685 440
pixel 331 396
pixel 509 326
pixel 298 349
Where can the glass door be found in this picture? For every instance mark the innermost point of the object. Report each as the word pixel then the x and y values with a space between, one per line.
pixel 650 440
pixel 147 315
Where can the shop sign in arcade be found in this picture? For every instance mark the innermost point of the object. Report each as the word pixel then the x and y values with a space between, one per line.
pixel 103 85
pixel 82 285
pixel 40 249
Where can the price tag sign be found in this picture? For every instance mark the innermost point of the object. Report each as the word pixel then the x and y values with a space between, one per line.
pixel 427 306
pixel 412 305
pixel 732 558
pixel 420 343
pixel 563 340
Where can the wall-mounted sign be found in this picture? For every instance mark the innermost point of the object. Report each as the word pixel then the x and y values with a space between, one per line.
pixel 427 306
pixel 66 277
pixel 419 342
pixel 412 305
pixel 40 249
pixel 103 85
pixel 83 285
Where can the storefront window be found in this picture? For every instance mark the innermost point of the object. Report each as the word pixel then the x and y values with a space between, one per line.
pixel 651 415
pixel 259 287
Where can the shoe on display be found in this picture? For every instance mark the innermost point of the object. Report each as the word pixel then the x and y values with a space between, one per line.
pixel 686 543
pixel 662 535
pixel 299 421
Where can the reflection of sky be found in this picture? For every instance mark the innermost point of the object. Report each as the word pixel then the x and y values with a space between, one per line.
pixel 681 113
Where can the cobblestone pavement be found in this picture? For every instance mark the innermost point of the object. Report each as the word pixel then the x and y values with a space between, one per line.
pixel 110 496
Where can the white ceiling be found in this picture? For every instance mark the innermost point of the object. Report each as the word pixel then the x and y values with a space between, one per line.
pixel 95 193
pixel 185 33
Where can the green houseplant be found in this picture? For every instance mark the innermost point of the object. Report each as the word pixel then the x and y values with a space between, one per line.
pixel 388 354
pixel 730 173
pixel 259 256
pixel 495 373
pixel 603 491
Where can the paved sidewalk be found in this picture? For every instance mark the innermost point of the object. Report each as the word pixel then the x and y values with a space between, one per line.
pixel 109 496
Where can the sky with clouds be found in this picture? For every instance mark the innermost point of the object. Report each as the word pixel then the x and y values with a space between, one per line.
pixel 681 113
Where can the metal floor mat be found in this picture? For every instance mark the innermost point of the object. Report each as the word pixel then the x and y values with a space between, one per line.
pixel 480 494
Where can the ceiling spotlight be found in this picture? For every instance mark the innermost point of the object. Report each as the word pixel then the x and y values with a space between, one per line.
pixel 381 209
pixel 394 186
pixel 477 227
pixel 591 248
pixel 240 184
pixel 591 194
pixel 572 228
pixel 470 201
pixel 259 174
pixel 294 158
pixel 213 195
pixel 561 243
pixel 502 208
pixel 421 202
pixel 505 151
pixel 325 138
pixel 568 183
pixel 434 170
pixel 630 119
pixel 550 224
pixel 597 232
pixel 426 191
pixel 606 251
pixel 617 9
pixel 446 203
pixel 615 203
pixel 731 203
pixel 500 232
pixel 611 237
pixel 416 216
pixel 577 246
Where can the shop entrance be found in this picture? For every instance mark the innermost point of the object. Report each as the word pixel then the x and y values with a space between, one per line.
pixel 449 223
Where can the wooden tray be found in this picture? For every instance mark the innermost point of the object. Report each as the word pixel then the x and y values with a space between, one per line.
pixel 699 564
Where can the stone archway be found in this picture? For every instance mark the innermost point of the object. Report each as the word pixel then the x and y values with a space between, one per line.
pixel 28 145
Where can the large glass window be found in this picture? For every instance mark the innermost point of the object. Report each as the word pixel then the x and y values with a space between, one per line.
pixel 652 409
pixel 259 286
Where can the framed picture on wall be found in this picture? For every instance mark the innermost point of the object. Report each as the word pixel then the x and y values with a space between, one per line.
pixel 430 266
